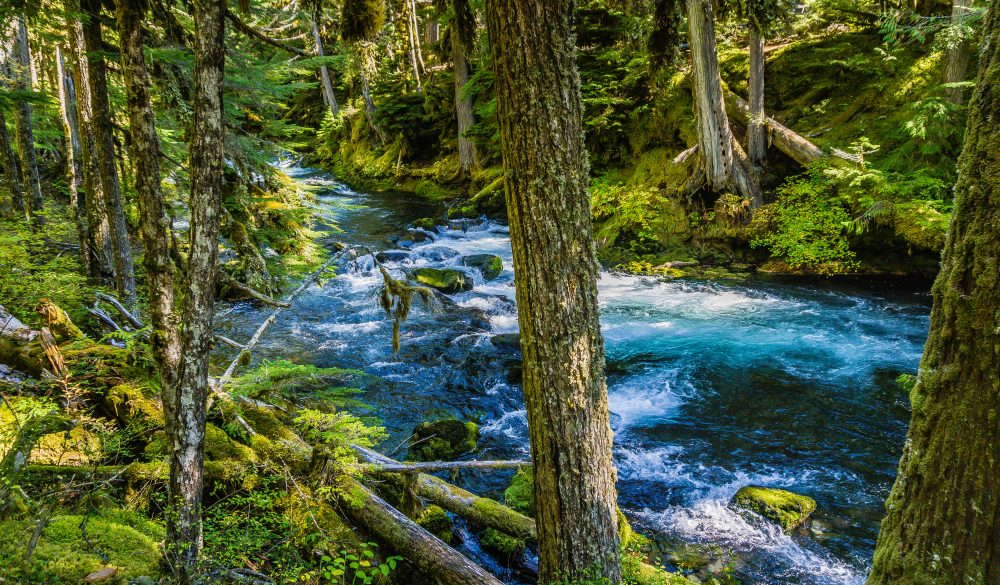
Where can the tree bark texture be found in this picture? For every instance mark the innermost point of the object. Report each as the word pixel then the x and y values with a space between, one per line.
pixel 103 130
pixel 958 51
pixel 757 128
pixel 328 96
pixel 98 225
pixel 34 206
pixel 943 514
pixel 467 156
pixel 153 221
pixel 545 165
pixel 12 168
pixel 189 400
pixel 74 154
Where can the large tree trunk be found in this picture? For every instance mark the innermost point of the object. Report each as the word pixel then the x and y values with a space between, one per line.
pixel 101 265
pixel 11 167
pixel 943 515
pixel 153 221
pixel 467 157
pixel 324 73
pixel 757 129
pixel 722 161
pixel 74 155
pixel 33 205
pixel 103 130
pixel 205 167
pixel 958 50
pixel 546 170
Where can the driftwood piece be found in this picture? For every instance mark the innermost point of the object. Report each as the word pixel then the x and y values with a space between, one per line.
pixel 432 556
pixel 107 322
pixel 128 315
pixel 479 510
pixel 253 293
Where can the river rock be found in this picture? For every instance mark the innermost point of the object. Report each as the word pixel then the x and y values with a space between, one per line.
pixel 788 509
pixel 443 279
pixel 442 440
pixel 438 253
pixel 510 341
pixel 490 265
pixel 428 223
pixel 388 256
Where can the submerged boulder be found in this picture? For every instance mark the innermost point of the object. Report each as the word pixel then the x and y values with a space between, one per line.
pixel 438 253
pixel 445 280
pixel 388 256
pixel 788 509
pixel 442 440
pixel 490 265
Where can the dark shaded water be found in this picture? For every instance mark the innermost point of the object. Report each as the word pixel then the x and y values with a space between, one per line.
pixel 712 386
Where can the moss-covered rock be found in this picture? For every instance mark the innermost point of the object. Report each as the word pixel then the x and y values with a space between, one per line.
pixel 490 265
pixel 65 555
pixel 427 223
pixel 786 508
pixel 132 406
pixel 443 279
pixel 511 341
pixel 503 545
pixel 520 494
pixel 436 521
pixel 442 440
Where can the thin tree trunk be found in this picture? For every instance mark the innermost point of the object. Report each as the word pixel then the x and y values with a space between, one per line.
pixel 153 220
pixel 184 533
pixel 328 96
pixel 74 156
pixel 467 156
pixel 431 31
pixel 943 514
pixel 757 129
pixel 539 113
pixel 25 134
pixel 415 23
pixel 12 168
pixel 958 50
pixel 104 139
pixel 414 44
pixel 101 265
pixel 370 110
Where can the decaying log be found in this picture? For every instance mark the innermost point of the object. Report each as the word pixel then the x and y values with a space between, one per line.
pixel 678 264
pixel 58 321
pixel 19 345
pixel 432 556
pixel 253 293
pixel 794 145
pixel 55 357
pixel 12 328
pixel 686 155
pixel 106 321
pixel 482 511
pixel 428 466
pixel 129 316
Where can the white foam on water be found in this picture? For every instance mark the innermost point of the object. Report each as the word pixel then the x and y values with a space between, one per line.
pixel 649 397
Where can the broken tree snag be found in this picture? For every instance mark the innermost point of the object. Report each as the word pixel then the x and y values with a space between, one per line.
pixel 55 357
pixel 58 321
pixel 482 511
pixel 432 556
pixel 794 145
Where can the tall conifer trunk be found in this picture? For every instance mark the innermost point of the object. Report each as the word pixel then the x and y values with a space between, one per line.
pixel 757 130
pixel 74 156
pixel 942 525
pixel 11 168
pixel 103 131
pixel 467 157
pixel 328 96
pixel 957 59
pixel 98 225
pixel 33 205
pixel 189 401
pixel 539 112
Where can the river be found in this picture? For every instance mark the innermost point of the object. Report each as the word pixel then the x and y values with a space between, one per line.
pixel 712 386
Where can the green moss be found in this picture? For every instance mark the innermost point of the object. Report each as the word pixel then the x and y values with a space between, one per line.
pixel 490 265
pixel 442 440
pixel 445 280
pixel 62 555
pixel 132 406
pixel 436 521
pixel 503 545
pixel 786 508
pixel 520 494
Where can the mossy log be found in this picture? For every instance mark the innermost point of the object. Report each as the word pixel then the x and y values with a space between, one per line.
pixel 431 555
pixel 58 321
pixel 479 510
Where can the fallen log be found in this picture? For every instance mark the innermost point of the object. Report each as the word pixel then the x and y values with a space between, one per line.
pixel 432 556
pixel 482 511
pixel 129 316
pixel 794 145
pixel 251 292
pixel 448 466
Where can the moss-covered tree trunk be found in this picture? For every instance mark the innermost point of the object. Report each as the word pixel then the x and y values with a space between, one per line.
pixel 11 168
pixel 545 165
pixel 757 129
pixel 942 525
pixel 723 161
pixel 98 225
pixel 74 154
pixel 103 131
pixel 33 205
pixel 467 157
pixel 957 61
pixel 153 221
pixel 187 440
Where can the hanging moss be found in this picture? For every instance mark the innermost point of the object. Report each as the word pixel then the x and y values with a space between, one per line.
pixel 361 19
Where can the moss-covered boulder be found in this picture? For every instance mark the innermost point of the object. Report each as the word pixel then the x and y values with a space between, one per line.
pixel 428 223
pixel 436 521
pixel 446 280
pixel 65 554
pixel 490 265
pixel 504 546
pixel 442 440
pixel 390 256
pixel 786 508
